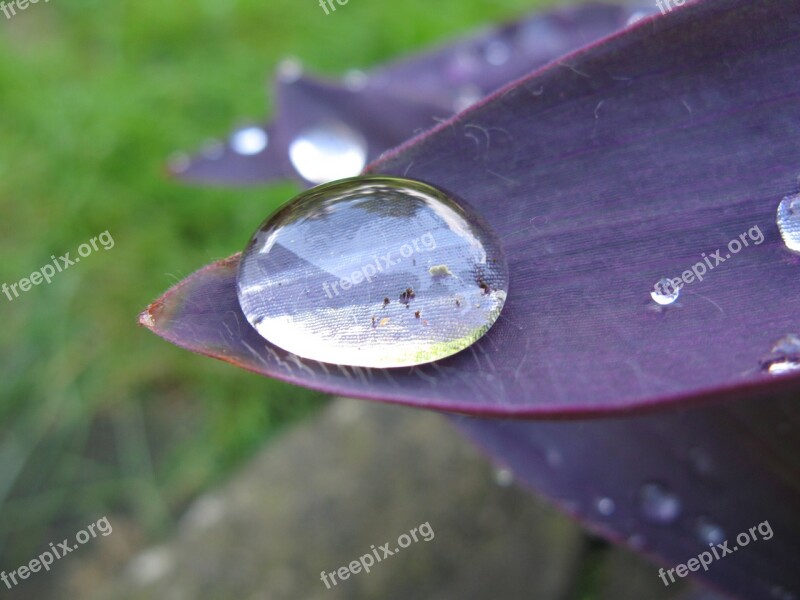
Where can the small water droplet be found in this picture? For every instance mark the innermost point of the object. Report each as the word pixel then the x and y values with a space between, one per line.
pixel 781 593
pixel 636 17
pixel 355 80
pixel 605 506
pixel 700 461
pixel 503 477
pixel 317 274
pixel 789 222
pixel 658 504
pixel 249 141
pixel 636 541
pixel 664 292
pixel 328 152
pixel 554 458
pixel 290 69
pixel 785 356
pixel 179 162
pixel 709 532
pixel 467 96
pixel 212 149
pixel 497 53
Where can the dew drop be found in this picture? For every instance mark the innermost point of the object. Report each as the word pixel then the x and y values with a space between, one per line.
pixel 503 477
pixel 179 162
pixel 467 96
pixel 709 532
pixel 212 149
pixel 638 16
pixel 635 18
pixel 290 69
pixel 789 222
pixel 605 506
pixel 554 458
pixel 328 152
pixel 780 593
pixel 355 80
pixel 664 292
pixel 637 541
pixel 316 276
pixel 787 345
pixel 249 141
pixel 785 356
pixel 658 504
pixel 497 53
pixel 701 462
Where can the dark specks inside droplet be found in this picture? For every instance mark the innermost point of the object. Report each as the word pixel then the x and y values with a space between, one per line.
pixel 416 314
pixel 407 296
pixel 484 286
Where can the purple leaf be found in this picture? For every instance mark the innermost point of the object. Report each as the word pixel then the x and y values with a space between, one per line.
pixel 668 484
pixel 390 104
pixel 620 164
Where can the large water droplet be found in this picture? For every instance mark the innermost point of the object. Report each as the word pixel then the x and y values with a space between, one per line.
pixel 374 272
pixel 249 141
pixel 664 292
pixel 658 504
pixel 789 222
pixel 709 532
pixel 328 152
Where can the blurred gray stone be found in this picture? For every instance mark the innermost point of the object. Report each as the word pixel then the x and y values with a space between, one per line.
pixel 359 475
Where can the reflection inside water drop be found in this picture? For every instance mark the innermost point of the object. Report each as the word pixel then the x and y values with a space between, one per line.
pixel 375 272
pixel 328 152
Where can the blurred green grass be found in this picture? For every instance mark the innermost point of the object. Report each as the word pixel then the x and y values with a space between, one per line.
pixel 96 414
